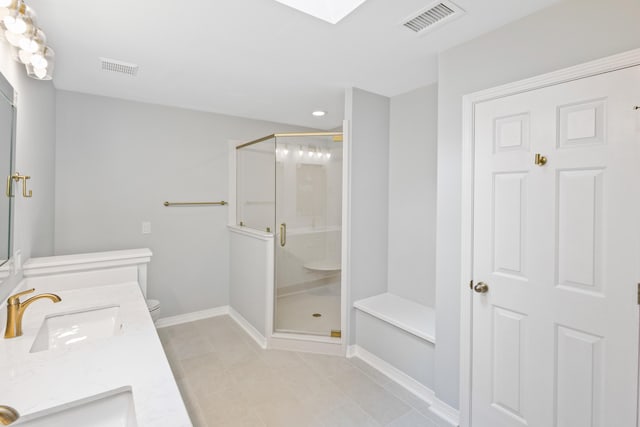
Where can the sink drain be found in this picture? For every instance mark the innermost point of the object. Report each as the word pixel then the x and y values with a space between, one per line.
pixel 317 315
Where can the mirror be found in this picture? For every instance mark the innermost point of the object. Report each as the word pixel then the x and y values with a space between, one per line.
pixel 7 149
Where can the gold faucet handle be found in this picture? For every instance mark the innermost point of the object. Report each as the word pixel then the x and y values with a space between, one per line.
pixel 8 415
pixel 15 299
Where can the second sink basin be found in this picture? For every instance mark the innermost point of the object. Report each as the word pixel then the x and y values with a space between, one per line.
pixel 80 326
pixel 114 408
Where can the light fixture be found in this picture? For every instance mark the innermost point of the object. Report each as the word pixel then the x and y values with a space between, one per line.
pixel 33 41
pixel 41 64
pixel 13 38
pixel 6 7
pixel 19 19
pixel 18 24
pixel 318 113
pixel 38 60
pixel 24 56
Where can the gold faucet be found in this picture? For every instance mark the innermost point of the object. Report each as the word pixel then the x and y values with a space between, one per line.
pixel 8 415
pixel 15 311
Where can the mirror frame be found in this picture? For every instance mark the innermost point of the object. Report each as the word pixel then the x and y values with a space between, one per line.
pixel 7 92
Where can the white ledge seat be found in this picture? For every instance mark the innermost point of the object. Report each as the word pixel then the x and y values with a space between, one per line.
pixel 414 318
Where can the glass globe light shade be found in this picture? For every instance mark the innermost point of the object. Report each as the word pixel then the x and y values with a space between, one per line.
pixel 28 44
pixel 34 41
pixel 24 56
pixel 42 69
pixel 20 20
pixel 13 38
pixel 7 7
pixel 40 72
pixel 14 24
pixel 38 60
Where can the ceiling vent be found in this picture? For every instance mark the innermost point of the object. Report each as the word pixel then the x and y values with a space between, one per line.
pixel 433 16
pixel 114 66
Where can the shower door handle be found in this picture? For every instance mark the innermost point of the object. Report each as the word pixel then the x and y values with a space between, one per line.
pixel 283 234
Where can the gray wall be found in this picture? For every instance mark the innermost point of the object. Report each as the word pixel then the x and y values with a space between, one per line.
pixel 118 161
pixel 369 117
pixel 35 148
pixel 569 33
pixel 412 195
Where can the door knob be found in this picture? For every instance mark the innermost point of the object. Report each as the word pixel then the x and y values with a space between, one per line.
pixel 481 288
pixel 540 160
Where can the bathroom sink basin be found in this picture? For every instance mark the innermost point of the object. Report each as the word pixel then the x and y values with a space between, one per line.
pixel 111 409
pixel 81 326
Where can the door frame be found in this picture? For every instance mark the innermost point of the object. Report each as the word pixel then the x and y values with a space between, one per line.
pixel 589 69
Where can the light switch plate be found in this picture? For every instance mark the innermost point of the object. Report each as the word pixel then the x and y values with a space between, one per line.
pixel 146 227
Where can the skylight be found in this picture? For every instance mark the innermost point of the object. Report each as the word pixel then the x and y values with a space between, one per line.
pixel 331 11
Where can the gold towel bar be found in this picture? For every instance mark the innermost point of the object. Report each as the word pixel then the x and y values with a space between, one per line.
pixel 221 203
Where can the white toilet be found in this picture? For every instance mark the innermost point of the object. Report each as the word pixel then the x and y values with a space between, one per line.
pixel 154 309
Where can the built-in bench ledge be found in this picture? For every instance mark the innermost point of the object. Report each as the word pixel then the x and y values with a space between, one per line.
pixel 417 319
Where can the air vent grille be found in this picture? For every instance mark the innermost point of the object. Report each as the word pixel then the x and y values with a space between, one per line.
pixel 433 16
pixel 114 66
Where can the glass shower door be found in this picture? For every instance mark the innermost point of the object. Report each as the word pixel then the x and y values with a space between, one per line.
pixel 308 234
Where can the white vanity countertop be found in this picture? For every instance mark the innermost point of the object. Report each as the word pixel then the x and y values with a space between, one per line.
pixel 31 382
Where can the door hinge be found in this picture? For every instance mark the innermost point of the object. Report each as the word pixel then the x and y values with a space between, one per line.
pixel 471 287
pixel 638 293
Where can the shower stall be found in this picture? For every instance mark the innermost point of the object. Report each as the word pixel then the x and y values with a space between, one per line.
pixel 289 189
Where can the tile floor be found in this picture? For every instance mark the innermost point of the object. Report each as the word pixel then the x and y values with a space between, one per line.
pixel 226 379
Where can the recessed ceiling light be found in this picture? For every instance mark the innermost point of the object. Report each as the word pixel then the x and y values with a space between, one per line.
pixel 331 11
pixel 319 113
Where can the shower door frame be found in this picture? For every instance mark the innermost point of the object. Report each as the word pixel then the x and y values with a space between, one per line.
pixel 301 341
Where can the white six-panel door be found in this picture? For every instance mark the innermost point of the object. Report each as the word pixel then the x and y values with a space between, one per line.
pixel 555 337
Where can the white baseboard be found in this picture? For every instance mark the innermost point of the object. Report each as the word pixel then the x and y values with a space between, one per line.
pixel 351 351
pixel 190 317
pixel 420 390
pixel 436 406
pixel 445 412
pixel 248 328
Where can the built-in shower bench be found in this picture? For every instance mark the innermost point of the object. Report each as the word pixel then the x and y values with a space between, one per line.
pixel 414 318
pixel 397 336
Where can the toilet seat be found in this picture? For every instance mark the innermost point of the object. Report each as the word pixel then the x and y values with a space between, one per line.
pixel 153 304
pixel 154 309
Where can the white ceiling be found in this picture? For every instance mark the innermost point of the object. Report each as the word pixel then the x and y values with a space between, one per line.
pixel 255 58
